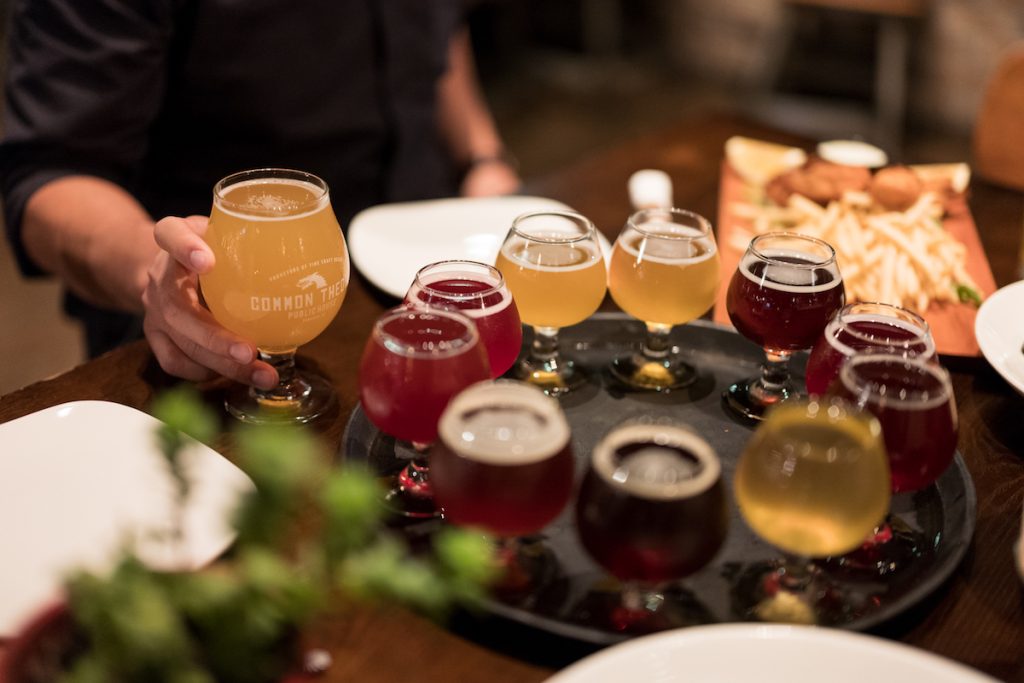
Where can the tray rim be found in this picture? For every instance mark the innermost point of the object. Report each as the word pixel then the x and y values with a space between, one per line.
pixel 943 569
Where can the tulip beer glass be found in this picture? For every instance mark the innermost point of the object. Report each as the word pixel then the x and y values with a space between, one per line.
pixel 651 509
pixel 782 295
pixel 664 271
pixel 281 274
pixel 553 265
pixel 414 362
pixel 477 290
pixel 912 397
pixel 503 463
pixel 864 326
pixel 813 481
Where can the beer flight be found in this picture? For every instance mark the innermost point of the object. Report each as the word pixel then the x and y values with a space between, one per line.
pixel 442 372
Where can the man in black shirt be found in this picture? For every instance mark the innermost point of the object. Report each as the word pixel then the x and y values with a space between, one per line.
pixel 122 111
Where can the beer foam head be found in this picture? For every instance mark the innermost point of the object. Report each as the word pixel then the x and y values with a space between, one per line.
pixel 896 382
pixel 790 270
pixel 671 249
pixel 475 304
pixel 504 422
pixel 271 199
pixel 904 345
pixel 664 462
pixel 553 256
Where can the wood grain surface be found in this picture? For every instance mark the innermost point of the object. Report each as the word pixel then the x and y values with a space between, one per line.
pixel 977 617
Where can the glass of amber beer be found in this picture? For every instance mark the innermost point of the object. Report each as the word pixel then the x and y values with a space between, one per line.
pixel 664 271
pixel 281 274
pixel 553 265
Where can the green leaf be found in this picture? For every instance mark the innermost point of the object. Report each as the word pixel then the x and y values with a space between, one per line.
pixel 968 295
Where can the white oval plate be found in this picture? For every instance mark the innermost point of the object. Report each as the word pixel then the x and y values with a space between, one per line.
pixel 766 653
pixel 999 329
pixel 390 242
pixel 78 480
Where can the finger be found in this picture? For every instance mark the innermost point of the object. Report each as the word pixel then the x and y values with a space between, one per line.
pixel 172 360
pixel 182 239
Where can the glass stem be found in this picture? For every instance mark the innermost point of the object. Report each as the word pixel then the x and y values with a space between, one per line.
pixel 773 385
pixel 290 387
pixel 656 345
pixel 545 345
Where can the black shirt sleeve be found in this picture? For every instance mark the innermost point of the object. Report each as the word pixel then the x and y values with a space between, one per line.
pixel 85 79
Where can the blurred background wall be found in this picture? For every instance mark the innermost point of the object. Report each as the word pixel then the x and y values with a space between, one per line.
pixel 568 77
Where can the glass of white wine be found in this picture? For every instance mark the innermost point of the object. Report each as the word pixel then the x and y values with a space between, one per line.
pixel 813 481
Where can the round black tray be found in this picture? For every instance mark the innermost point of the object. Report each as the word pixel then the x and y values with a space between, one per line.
pixel 568 599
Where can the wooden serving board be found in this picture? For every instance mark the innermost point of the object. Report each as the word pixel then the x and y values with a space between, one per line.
pixel 952 324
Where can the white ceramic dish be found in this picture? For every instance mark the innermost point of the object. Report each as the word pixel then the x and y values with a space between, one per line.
pixel 766 653
pixel 390 242
pixel 79 479
pixel 999 329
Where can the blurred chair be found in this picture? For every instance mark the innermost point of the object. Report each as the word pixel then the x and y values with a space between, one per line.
pixel 894 23
pixel 998 144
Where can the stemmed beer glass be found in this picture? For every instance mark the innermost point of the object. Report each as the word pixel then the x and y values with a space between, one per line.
pixel 664 271
pixel 281 274
pixel 504 463
pixel 478 290
pixel 782 295
pixel 414 362
pixel 862 326
pixel 913 399
pixel 651 509
pixel 553 265
pixel 813 481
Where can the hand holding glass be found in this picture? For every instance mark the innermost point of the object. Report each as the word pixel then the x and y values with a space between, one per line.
pixel 281 274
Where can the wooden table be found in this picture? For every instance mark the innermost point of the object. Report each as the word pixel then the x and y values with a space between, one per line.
pixel 976 618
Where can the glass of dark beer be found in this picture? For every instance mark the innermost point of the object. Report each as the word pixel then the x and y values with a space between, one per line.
pixel 651 509
pixel 861 326
pixel 785 290
pixel 912 397
pixel 504 463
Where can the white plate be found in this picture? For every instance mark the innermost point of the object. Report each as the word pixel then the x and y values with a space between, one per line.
pixel 79 479
pixel 999 329
pixel 766 653
pixel 390 242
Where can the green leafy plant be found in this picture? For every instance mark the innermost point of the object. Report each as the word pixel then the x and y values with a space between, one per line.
pixel 308 533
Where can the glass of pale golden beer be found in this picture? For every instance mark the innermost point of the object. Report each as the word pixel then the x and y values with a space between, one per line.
pixel 813 481
pixel 664 271
pixel 552 263
pixel 281 274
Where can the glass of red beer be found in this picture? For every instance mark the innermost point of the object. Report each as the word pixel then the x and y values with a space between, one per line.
pixel 912 397
pixel 503 463
pixel 478 290
pixel 412 365
pixel 861 326
pixel 651 509
pixel 783 293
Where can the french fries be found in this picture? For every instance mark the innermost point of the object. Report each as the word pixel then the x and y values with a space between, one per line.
pixel 899 257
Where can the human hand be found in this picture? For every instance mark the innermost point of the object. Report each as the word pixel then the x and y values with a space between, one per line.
pixel 489 178
pixel 183 334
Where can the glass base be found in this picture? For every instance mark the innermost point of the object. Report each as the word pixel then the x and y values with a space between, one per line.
pixel 781 592
pixel 309 396
pixel 612 607
pixel 525 565
pixel 555 376
pixel 747 399
pixel 892 547
pixel 413 496
pixel 638 372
